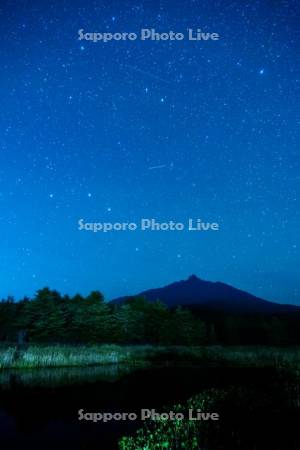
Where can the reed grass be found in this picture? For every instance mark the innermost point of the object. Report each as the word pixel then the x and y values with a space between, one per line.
pixel 74 356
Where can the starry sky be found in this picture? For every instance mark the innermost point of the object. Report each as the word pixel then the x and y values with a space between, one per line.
pixel 118 131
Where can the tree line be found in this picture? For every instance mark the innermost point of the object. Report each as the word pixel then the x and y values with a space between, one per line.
pixel 50 317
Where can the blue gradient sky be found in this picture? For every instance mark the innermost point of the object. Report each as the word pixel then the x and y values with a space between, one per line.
pixel 83 123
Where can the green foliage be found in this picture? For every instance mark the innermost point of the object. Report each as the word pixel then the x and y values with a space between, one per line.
pixel 52 318
pixel 175 434
pixel 187 434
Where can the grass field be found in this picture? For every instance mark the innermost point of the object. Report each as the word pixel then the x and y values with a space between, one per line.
pixel 67 355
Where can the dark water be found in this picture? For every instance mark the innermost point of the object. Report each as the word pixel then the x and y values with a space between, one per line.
pixel 39 408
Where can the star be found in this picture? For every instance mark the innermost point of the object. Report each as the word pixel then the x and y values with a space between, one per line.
pixel 152 127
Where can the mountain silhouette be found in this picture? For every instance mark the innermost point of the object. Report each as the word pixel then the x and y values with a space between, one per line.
pixel 195 292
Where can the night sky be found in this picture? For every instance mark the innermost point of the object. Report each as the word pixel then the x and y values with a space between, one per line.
pixel 119 131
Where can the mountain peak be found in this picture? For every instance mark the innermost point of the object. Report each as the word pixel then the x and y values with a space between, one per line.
pixel 210 295
pixel 193 278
